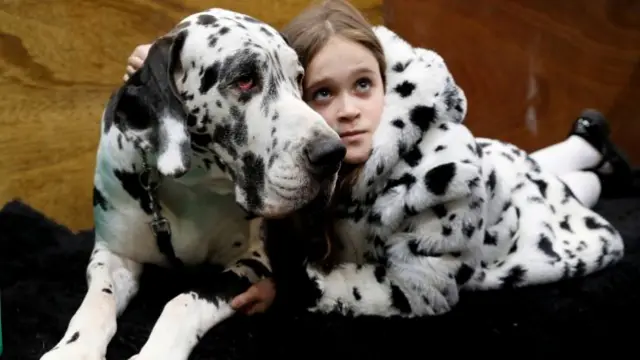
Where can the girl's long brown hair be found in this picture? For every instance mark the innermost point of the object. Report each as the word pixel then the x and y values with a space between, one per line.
pixel 307 34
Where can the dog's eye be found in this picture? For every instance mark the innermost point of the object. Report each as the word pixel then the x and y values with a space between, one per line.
pixel 245 83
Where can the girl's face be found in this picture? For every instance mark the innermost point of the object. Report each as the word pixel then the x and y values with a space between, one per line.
pixel 343 83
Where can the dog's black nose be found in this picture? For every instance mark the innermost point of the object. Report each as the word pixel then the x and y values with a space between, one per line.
pixel 325 156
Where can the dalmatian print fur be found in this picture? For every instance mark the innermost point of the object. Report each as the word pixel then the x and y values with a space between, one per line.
pixel 437 211
pixel 211 129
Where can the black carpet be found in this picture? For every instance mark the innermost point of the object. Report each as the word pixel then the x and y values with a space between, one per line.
pixel 42 274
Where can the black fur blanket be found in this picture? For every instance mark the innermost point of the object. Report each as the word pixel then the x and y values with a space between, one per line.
pixel 42 272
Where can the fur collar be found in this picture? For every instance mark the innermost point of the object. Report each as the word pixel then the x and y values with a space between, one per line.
pixel 420 92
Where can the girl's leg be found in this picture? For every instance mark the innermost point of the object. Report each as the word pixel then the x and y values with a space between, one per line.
pixel 589 147
pixel 572 154
pixel 585 185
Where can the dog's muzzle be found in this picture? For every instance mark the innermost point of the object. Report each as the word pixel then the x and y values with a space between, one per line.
pixel 324 156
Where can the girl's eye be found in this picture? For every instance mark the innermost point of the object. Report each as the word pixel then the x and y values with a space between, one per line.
pixel 321 94
pixel 363 85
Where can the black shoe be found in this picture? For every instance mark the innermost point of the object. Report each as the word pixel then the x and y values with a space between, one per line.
pixel 594 128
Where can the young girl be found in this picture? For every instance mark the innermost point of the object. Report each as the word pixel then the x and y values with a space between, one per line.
pixel 423 209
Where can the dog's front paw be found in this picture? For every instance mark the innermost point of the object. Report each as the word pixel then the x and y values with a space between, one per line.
pixel 74 351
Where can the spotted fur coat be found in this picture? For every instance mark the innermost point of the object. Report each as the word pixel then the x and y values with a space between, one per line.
pixel 437 210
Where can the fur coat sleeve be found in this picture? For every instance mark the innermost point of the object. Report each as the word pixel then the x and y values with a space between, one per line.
pixel 434 211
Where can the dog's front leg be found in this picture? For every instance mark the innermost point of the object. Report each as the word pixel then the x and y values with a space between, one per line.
pixel 112 282
pixel 189 316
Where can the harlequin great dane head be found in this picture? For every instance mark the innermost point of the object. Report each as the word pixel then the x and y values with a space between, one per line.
pixel 223 89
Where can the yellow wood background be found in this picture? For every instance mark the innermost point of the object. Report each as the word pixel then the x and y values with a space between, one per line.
pixel 59 62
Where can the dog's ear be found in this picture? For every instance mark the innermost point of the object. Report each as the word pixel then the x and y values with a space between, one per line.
pixel 150 111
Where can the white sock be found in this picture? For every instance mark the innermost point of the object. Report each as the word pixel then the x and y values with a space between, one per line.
pixel 585 185
pixel 572 154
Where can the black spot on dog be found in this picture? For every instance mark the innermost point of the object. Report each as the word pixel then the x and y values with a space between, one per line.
pixel 202 141
pixel 107 291
pixel 405 89
pixel 210 77
pixel 223 136
pixel 250 19
pixel 74 337
pixel 206 19
pixel 240 127
pixel 213 41
pixel 224 30
pixel 266 32
pixel 99 199
pixel 438 179
pixel 253 168
pixel 130 182
pixel 120 140
pixel 440 148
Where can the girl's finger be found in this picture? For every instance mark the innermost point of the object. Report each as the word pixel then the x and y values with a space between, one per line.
pixel 243 299
pixel 135 62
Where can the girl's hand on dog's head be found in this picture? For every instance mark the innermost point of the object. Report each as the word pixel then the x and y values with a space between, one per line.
pixel 136 59
pixel 258 298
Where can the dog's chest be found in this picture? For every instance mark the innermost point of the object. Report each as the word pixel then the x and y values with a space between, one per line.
pixel 206 224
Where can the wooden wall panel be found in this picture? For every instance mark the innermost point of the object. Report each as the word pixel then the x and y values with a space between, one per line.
pixel 59 61
pixel 529 67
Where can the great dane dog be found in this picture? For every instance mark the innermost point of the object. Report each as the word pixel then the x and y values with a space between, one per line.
pixel 210 130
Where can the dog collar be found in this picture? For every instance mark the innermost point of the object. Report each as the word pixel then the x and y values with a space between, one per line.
pixel 150 180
